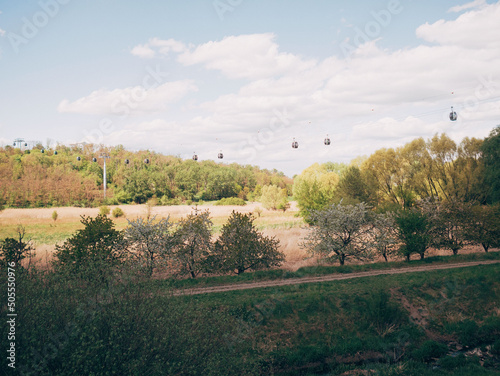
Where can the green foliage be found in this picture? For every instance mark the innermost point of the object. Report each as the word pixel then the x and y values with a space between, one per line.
pixel 104 210
pixel 339 232
pixel 452 221
pixel 231 201
pixel 429 350
pixel 193 242
pixel 96 248
pixel 44 180
pixel 117 213
pixel 483 226
pixel 150 242
pixel 414 231
pixel 274 198
pixel 352 187
pixel 491 156
pixel 15 250
pixel 122 329
pixel 241 247
pixel 54 216
pixel 314 189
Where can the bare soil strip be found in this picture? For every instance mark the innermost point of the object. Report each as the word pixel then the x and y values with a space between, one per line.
pixel 327 278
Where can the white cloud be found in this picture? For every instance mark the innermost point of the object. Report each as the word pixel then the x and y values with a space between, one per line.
pixel 163 47
pixel 129 100
pixel 252 56
pixel 376 98
pixel 471 5
pixel 143 51
pixel 476 29
pixel 2 33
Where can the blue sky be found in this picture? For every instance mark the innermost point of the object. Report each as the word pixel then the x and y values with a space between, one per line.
pixel 246 77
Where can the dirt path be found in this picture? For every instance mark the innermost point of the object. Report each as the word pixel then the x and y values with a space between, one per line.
pixel 326 278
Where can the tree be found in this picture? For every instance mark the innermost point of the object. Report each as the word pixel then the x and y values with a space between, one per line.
pixel 352 187
pixel 193 242
pixel 273 197
pixel 383 236
pixel 339 232
pixel 15 250
pixel 150 242
pixel 415 231
pixel 241 247
pixel 314 189
pixel 96 248
pixel 451 223
pixel 491 157
pixel 484 226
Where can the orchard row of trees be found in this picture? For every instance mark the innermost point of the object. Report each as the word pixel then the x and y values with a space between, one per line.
pixel 398 178
pixel 340 232
pixel 35 179
pixel 184 249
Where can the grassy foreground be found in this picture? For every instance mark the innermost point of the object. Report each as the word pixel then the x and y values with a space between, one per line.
pixel 443 322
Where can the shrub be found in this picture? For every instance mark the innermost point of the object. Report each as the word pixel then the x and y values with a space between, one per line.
pixel 429 350
pixel 150 243
pixel 231 201
pixel 193 242
pixel 118 212
pixel 241 247
pixel 54 216
pixel 97 248
pixel 12 250
pixel 104 210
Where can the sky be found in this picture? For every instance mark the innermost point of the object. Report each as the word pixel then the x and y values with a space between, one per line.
pixel 247 77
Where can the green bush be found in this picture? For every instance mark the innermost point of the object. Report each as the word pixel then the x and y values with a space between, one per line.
pixel 429 350
pixel 104 210
pixel 451 363
pixel 231 201
pixel 118 212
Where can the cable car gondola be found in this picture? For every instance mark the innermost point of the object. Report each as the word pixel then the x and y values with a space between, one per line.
pixel 453 115
pixel 146 161
pixel 78 159
pixel 195 157
pixel 327 140
pixel 220 155
pixel 295 144
pixel 127 161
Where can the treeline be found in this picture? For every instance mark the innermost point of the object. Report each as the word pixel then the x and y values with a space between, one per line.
pixel 66 176
pixel 398 178
pixel 146 245
pixel 341 232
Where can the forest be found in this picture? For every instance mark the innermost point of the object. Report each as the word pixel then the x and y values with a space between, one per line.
pixel 391 179
pixel 387 179
pixel 67 176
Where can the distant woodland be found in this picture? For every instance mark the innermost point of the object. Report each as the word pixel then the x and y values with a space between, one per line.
pixel 68 176
pixel 438 167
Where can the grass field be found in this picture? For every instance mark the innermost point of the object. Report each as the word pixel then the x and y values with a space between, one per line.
pixel 287 227
pixel 45 233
